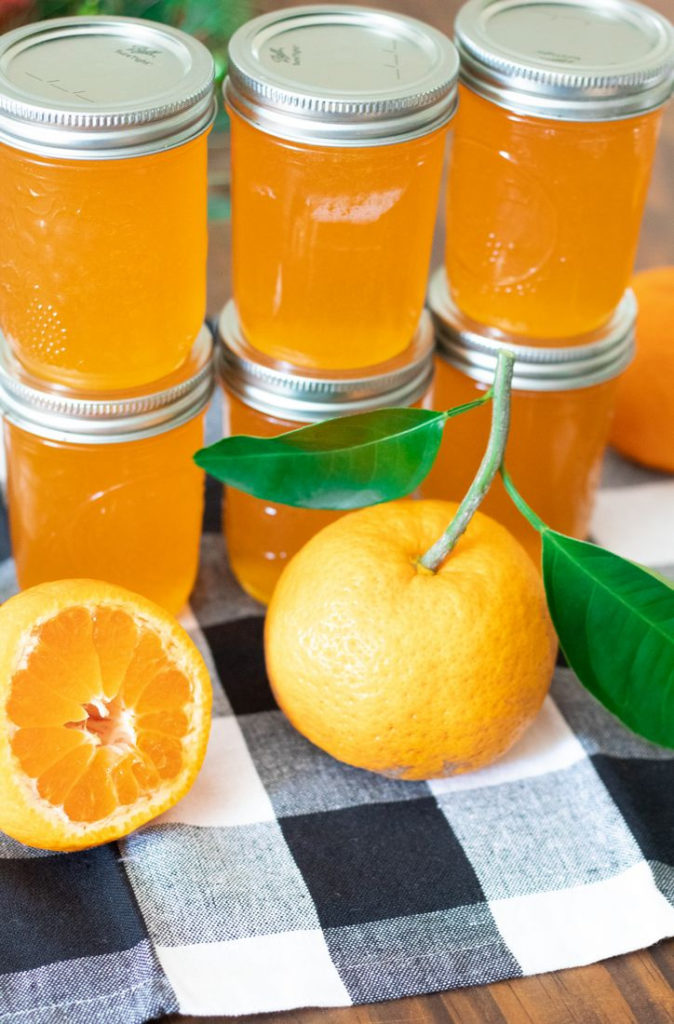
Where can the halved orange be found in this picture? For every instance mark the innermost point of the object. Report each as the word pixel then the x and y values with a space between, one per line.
pixel 104 713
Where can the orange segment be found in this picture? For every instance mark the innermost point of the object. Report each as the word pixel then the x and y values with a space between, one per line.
pixel 115 639
pixel 104 713
pixel 61 642
pixel 147 662
pixel 40 749
pixel 163 692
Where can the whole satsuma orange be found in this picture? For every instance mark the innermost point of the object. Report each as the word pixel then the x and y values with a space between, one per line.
pixel 643 428
pixel 393 668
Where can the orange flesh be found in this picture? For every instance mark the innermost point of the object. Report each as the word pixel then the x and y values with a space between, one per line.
pixel 103 264
pixel 261 536
pixel 543 217
pixel 99 712
pixel 129 513
pixel 331 246
pixel 554 453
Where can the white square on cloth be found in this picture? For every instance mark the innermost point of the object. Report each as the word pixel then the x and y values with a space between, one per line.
pixel 228 790
pixel 551 930
pixel 637 522
pixel 284 971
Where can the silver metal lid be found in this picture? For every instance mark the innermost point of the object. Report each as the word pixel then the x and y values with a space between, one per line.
pixel 341 75
pixel 473 348
pixel 94 418
pixel 101 88
pixel 572 60
pixel 308 396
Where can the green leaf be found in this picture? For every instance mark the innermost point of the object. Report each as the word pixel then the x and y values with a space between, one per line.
pixel 340 463
pixel 615 623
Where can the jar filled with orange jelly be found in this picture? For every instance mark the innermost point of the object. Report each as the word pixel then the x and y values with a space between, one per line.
pixel 560 107
pixel 103 486
pixel 561 410
pixel 265 398
pixel 103 126
pixel 339 119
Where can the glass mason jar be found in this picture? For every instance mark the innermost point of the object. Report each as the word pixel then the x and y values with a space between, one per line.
pixel 561 410
pixel 105 487
pixel 103 126
pixel 560 106
pixel 339 119
pixel 264 398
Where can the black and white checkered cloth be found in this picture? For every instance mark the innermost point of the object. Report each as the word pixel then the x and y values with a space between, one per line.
pixel 286 879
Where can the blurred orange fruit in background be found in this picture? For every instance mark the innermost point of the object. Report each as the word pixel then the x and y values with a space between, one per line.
pixel 643 428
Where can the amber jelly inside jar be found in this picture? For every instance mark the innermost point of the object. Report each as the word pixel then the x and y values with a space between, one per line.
pixel 561 408
pixel 104 486
pixel 560 108
pixel 265 398
pixel 103 126
pixel 339 117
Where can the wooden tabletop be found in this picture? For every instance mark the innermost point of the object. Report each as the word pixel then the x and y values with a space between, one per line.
pixel 637 988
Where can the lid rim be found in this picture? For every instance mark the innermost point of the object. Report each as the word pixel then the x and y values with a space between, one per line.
pixel 29 404
pixel 401 397
pixel 283 125
pixel 303 112
pixel 170 114
pixel 301 394
pixel 462 343
pixel 579 90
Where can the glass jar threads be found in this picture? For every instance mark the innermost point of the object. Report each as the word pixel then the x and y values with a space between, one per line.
pixel 339 118
pixel 561 408
pixel 103 125
pixel 265 398
pixel 104 486
pixel 558 120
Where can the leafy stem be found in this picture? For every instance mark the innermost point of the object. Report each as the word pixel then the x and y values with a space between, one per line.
pixel 449 414
pixel 489 467
pixel 520 503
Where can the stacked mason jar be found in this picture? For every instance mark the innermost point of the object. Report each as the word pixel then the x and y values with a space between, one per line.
pixel 559 110
pixel 105 367
pixel 339 116
pixel 339 119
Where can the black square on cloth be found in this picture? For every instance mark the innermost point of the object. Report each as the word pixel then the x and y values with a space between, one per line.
pixel 378 861
pixel 5 546
pixel 65 906
pixel 238 653
pixel 212 521
pixel 642 790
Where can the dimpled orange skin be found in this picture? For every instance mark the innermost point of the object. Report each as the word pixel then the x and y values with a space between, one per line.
pixel 643 426
pixel 395 669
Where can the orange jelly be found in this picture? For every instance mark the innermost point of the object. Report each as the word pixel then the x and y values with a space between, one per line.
pixel 107 489
pixel 561 409
pixel 339 119
pixel 103 129
pixel 553 147
pixel 264 399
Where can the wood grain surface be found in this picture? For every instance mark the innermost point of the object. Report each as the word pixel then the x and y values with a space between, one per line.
pixel 637 988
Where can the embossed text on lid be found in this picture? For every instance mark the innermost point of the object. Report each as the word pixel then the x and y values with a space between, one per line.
pixel 304 395
pixel 342 75
pixel 584 60
pixel 102 87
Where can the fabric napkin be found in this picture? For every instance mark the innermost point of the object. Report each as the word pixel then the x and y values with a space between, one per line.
pixel 286 879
